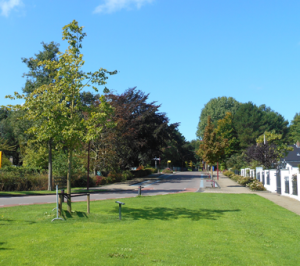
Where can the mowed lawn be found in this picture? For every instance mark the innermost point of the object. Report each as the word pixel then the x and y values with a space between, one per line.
pixel 178 229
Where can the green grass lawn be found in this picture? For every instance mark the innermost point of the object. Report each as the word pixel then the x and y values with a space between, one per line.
pixel 180 229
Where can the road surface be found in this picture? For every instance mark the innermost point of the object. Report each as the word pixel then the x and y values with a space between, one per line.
pixel 174 183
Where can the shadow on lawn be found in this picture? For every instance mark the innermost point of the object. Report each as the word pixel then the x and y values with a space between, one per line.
pixel 75 214
pixel 9 222
pixel 162 213
pixel 2 243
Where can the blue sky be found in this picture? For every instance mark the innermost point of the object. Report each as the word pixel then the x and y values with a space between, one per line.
pixel 181 52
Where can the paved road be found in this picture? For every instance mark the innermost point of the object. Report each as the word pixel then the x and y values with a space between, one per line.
pixel 179 182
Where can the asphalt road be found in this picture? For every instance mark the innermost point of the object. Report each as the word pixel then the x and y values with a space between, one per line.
pixel 179 182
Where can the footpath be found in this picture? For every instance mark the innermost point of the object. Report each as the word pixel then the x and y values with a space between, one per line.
pixel 226 185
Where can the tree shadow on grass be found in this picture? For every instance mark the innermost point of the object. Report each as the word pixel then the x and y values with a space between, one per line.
pixel 3 243
pixel 76 214
pixel 10 222
pixel 163 213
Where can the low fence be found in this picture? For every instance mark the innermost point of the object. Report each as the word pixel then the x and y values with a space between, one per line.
pixel 285 182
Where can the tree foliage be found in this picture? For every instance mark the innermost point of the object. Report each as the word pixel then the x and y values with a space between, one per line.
pixel 56 108
pixel 294 134
pixel 216 108
pixel 212 147
pixel 251 121
pixel 266 154
pixel 38 73
pixel 226 130
pixel 141 131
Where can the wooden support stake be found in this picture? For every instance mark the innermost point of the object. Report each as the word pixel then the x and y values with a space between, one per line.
pixel 60 201
pixel 88 202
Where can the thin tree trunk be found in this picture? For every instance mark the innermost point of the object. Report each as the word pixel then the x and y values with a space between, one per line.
pixel 69 180
pixel 88 167
pixel 50 166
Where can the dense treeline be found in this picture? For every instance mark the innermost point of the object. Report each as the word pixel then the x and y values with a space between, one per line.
pixel 234 131
pixel 61 122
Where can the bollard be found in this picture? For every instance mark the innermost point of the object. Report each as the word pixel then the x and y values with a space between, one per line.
pixel 120 204
pixel 140 191
pixel 88 202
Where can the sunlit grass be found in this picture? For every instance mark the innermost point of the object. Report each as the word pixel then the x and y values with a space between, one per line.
pixel 180 229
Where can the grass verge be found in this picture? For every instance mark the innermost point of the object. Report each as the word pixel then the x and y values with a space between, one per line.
pixel 179 229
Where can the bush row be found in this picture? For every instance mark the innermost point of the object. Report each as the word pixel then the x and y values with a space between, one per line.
pixel 13 181
pixel 18 179
pixel 253 184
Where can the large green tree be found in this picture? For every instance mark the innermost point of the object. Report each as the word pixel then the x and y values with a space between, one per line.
pixel 38 74
pixel 251 121
pixel 216 108
pixel 57 107
pixel 294 134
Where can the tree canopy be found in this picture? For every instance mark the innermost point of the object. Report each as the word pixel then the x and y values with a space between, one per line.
pixel 294 134
pixel 216 108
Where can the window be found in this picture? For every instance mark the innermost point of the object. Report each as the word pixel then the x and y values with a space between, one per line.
pixel 287 184
pixel 258 176
pixel 294 184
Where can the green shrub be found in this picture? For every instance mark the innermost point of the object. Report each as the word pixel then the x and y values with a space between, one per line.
pixel 167 171
pixel 256 185
pixel 82 182
pixel 153 170
pixel 114 177
pixel 126 175
pixel 13 181
pixel 235 177
pixel 245 180
pixel 5 162
pixel 22 170
pixel 228 173
pixel 141 173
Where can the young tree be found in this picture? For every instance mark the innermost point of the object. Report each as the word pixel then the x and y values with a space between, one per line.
pixel 212 146
pixel 57 106
pixel 226 130
pixel 37 76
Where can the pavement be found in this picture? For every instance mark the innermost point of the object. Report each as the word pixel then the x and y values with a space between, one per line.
pixel 226 185
pixel 159 184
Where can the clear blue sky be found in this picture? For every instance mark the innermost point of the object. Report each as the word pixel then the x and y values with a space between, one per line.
pixel 181 52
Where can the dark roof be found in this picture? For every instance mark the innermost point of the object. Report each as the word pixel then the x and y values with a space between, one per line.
pixel 293 156
pixel 294 164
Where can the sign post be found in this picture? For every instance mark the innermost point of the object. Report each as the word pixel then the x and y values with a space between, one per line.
pixel 156 159
pixel 169 161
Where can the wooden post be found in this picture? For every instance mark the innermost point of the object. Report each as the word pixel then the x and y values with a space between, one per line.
pixel 88 202
pixel 60 201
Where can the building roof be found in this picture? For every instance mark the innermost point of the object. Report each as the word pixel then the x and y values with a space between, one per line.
pixel 293 164
pixel 293 156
